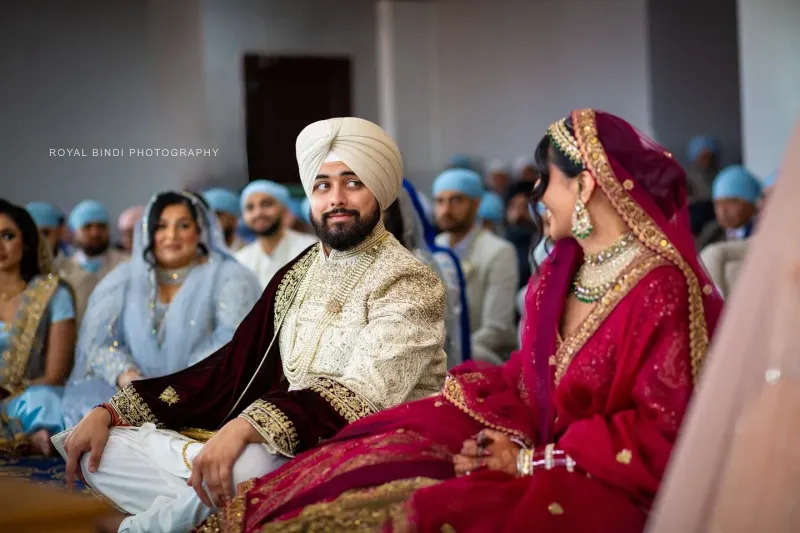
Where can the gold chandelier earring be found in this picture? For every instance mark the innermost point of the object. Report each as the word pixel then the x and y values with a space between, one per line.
pixel 582 225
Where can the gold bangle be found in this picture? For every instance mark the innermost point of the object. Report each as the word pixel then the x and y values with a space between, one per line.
pixel 183 454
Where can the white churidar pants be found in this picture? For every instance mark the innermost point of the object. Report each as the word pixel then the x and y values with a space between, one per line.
pixel 142 471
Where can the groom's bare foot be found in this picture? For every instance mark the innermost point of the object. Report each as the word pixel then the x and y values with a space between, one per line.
pixel 41 442
pixel 111 523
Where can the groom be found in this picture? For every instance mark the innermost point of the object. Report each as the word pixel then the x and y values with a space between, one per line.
pixel 351 326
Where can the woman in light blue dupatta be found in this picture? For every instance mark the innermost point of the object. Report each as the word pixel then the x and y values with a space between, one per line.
pixel 37 336
pixel 179 299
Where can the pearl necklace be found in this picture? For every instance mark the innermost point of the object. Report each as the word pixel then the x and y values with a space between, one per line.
pixel 599 271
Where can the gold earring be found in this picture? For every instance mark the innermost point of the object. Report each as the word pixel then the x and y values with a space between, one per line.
pixel 582 225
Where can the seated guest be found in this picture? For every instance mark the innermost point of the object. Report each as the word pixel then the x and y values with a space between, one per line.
pixel 498 177
pixel 47 219
pixel 491 212
pixel 403 220
pixel 89 223
pixel 489 264
pixel 226 206
pixel 736 193
pixel 352 326
pixel 93 257
pixel 125 223
pixel 37 336
pixel 724 259
pixel 264 205
pixel 703 154
pixel 179 299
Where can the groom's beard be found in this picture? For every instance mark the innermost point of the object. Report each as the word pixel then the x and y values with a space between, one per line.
pixel 344 236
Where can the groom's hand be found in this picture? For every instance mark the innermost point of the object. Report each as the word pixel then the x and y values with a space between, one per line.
pixel 214 463
pixel 90 435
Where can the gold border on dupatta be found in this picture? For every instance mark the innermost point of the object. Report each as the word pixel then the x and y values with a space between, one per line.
pixel 570 347
pixel 349 404
pixel 642 225
pixel 453 393
pixel 26 323
pixel 357 510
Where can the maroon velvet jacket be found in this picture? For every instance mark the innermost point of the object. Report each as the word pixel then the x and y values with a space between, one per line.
pixel 245 378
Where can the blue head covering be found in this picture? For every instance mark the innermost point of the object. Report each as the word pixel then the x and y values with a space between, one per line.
pixel 461 180
pixel 460 161
pixel 736 181
pixel 87 212
pixel 305 210
pixel 277 191
pixel 769 181
pixel 492 208
pixel 222 200
pixel 43 214
pixel 700 143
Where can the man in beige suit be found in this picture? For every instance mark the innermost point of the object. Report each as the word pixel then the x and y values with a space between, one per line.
pixel 93 257
pixel 488 261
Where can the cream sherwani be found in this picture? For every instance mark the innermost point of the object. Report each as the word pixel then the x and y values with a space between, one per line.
pixel 266 265
pixel 383 343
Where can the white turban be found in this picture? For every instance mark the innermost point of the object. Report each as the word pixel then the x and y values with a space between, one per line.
pixel 359 144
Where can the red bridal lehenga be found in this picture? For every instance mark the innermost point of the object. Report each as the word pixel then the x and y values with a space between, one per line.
pixel 607 401
pixel 737 466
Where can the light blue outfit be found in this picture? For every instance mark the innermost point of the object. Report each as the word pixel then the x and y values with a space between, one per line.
pixel 736 181
pixel 125 328
pixel 700 143
pixel 492 208
pixel 38 406
pixel 223 200
pixel 43 214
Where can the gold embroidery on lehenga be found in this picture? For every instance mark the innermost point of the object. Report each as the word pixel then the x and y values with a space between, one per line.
pixel 625 456
pixel 649 233
pixel 630 277
pixel 453 392
pixel 349 404
pixel 22 339
pixel 356 510
pixel 132 408
pixel 273 425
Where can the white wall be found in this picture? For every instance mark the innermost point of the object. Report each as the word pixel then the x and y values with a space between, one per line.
pixel 499 71
pixel 769 47
pixel 75 75
pixel 290 27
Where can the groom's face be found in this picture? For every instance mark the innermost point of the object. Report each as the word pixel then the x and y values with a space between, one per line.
pixel 343 210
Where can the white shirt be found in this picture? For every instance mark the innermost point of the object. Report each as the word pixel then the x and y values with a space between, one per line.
pixel 265 266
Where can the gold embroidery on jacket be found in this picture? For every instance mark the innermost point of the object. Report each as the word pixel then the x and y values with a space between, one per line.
pixel 132 408
pixel 350 405
pixel 273 426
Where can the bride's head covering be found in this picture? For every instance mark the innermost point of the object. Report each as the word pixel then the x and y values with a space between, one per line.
pixel 647 189
pixel 736 466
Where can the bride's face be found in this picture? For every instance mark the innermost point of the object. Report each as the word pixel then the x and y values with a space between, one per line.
pixel 559 199
pixel 176 237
